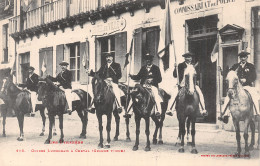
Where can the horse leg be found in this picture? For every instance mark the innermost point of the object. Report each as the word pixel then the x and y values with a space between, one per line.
pixel 237 128
pixel 137 132
pixel 128 139
pixel 252 127
pixel 258 145
pixel 182 128
pixel 109 118
pixel 178 141
pixel 51 121
pixel 160 132
pixel 157 125
pixel 117 119
pixel 193 132
pixel 43 121
pixel 4 120
pixel 82 118
pixel 188 131
pixel 247 153
pixel 100 131
pixel 61 128
pixel 53 126
pixel 147 132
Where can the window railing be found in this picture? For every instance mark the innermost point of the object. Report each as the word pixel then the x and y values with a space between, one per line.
pixel 55 11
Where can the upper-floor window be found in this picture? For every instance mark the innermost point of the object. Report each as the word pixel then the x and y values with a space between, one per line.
pixel 5 43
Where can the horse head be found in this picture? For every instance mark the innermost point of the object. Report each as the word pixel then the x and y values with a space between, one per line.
pixel 9 88
pixel 99 87
pixel 44 87
pixel 232 81
pixel 190 79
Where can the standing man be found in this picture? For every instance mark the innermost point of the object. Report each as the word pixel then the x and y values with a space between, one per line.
pixel 111 73
pixel 64 80
pixel 181 68
pixel 151 73
pixel 247 75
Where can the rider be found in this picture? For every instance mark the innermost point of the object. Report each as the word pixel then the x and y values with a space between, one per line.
pixel 31 85
pixel 181 67
pixel 64 80
pixel 247 75
pixel 151 73
pixel 111 73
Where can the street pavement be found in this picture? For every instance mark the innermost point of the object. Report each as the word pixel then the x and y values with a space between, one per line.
pixel 215 147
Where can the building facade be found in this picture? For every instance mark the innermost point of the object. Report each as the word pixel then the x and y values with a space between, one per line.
pixel 84 30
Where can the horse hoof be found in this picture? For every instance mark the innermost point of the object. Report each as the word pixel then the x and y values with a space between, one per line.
pixel 128 139
pixel 251 147
pixel 100 145
pixel 83 136
pixel 189 143
pixel 135 148
pixel 147 148
pixel 47 141
pixel 54 134
pixel 61 140
pixel 154 141
pixel 21 139
pixel 42 134
pixel 194 151
pixel 115 138
pixel 107 146
pixel 181 150
pixel 247 155
pixel 160 142
pixel 237 155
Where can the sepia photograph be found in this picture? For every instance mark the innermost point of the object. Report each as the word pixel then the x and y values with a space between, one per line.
pixel 129 82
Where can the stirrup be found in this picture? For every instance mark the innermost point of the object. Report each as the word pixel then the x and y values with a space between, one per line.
pixel 91 110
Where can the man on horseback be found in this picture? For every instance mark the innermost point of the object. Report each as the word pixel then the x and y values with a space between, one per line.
pixel 111 73
pixel 181 68
pixel 31 85
pixel 150 76
pixel 247 75
pixel 64 80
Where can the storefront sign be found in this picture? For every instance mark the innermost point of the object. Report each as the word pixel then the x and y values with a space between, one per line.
pixel 109 27
pixel 201 5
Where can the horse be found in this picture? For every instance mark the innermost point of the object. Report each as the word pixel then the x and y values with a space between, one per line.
pixel 188 107
pixel 241 108
pixel 104 101
pixel 18 100
pixel 143 104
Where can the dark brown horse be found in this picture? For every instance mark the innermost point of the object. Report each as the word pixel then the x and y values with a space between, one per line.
pixel 104 101
pixel 18 100
pixel 241 108
pixel 143 105
pixel 188 107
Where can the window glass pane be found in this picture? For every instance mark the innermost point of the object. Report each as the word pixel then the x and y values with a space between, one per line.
pixel 104 45
pixel 72 51
pixel 112 43
pixel 78 75
pixel 78 66
pixel 72 63
pixel 73 75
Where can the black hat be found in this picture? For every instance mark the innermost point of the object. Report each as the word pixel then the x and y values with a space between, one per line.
pixel 243 54
pixel 31 68
pixel 188 54
pixel 148 56
pixel 108 54
pixel 63 63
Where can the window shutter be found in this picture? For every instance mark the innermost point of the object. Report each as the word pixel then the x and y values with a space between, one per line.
pixel 59 57
pixel 138 50
pixel 120 52
pixel 84 54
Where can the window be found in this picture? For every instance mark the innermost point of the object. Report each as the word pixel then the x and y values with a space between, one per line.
pixel 74 60
pixel 5 43
pixel 107 46
pixel 24 64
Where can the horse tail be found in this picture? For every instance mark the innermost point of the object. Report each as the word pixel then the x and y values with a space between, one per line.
pixel 85 97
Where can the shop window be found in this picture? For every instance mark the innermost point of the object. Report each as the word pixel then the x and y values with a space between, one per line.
pixel 74 61
pixel 24 65
pixel 5 43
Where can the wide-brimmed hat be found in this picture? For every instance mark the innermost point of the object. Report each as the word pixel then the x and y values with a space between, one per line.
pixel 243 54
pixel 148 56
pixel 31 68
pixel 64 63
pixel 188 54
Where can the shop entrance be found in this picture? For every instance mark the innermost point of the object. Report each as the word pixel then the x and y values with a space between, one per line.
pixel 202 36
